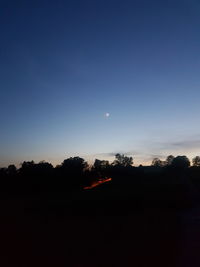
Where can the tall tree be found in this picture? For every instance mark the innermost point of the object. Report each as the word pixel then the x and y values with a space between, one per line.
pixel 122 160
pixel 75 164
pixel 181 162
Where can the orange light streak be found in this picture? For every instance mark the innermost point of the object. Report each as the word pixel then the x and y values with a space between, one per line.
pixel 98 183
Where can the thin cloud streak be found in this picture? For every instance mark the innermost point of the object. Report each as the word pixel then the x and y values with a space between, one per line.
pixel 189 147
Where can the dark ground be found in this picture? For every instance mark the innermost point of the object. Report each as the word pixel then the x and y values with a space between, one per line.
pixel 98 229
pixel 33 233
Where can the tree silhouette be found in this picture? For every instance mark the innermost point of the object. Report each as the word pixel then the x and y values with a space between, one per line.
pixel 123 161
pixel 73 175
pixel 27 164
pixel 75 164
pixel 12 170
pixel 100 165
pixel 196 161
pixel 157 162
pixel 27 168
pixel 180 162
pixel 169 160
pixel 3 172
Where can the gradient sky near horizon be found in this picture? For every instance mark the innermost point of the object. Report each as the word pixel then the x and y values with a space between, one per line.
pixel 65 64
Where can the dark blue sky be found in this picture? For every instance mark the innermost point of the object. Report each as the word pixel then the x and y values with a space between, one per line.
pixel 64 64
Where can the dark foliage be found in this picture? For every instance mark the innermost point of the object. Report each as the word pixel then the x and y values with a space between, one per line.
pixel 144 200
pixel 169 182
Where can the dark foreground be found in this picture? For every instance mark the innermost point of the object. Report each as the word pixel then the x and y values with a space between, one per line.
pixel 95 232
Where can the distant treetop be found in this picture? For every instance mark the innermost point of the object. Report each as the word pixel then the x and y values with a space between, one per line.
pixel 123 161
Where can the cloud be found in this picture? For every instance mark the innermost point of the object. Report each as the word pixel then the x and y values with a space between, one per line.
pixel 187 144
pixel 182 145
pixel 112 154
pixel 147 150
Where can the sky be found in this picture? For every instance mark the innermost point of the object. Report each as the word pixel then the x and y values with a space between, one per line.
pixel 96 78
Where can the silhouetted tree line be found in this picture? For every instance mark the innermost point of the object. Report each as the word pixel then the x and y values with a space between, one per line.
pixel 172 179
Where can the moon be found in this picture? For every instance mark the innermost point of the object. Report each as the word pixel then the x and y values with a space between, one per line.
pixel 107 114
